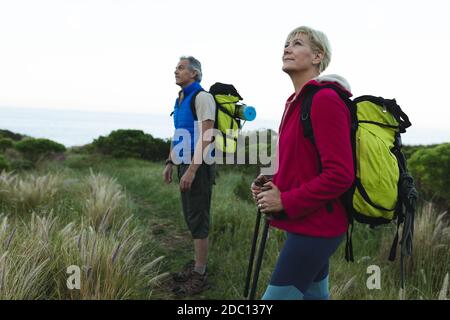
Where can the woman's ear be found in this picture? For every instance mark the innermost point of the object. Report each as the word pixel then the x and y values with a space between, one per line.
pixel 318 56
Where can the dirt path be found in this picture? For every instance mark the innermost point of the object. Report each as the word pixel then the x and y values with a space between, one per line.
pixel 172 241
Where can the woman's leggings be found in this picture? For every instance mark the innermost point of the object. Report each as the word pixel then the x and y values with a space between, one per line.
pixel 302 269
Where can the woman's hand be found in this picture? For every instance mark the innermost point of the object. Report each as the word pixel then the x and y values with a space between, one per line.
pixel 269 201
pixel 255 190
pixel 257 184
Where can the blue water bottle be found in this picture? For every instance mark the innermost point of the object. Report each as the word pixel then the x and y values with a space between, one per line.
pixel 247 113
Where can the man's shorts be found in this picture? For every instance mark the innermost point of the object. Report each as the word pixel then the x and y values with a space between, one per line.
pixel 196 202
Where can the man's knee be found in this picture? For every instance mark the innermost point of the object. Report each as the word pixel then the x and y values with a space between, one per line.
pixel 200 235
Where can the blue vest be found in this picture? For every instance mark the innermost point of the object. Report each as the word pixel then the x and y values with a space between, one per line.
pixel 183 120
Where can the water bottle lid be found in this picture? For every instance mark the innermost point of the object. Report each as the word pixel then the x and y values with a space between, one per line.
pixel 249 113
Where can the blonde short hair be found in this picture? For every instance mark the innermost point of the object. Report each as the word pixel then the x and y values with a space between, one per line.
pixel 318 41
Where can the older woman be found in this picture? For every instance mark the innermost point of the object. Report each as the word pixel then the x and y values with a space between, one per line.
pixel 312 176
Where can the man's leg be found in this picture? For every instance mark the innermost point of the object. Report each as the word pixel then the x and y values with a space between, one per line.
pixel 186 272
pixel 196 206
pixel 206 180
pixel 201 255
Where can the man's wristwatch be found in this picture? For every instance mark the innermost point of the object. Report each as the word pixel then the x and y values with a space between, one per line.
pixel 169 161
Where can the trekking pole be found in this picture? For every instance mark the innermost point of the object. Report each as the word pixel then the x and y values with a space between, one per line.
pixel 259 258
pixel 252 254
pixel 260 183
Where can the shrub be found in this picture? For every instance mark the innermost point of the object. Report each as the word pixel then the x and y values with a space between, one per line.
pixel 132 144
pixel 87 148
pixel 35 149
pixel 409 150
pixel 4 164
pixel 11 135
pixel 431 170
pixel 21 164
pixel 6 143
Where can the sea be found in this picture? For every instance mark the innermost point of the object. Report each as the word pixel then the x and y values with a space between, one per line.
pixel 77 128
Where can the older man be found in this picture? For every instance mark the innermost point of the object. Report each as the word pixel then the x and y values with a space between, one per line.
pixel 192 136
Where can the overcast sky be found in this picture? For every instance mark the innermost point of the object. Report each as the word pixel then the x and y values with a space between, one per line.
pixel 119 55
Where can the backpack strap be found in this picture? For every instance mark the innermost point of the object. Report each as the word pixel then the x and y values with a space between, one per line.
pixel 218 107
pixel 408 196
pixel 305 117
pixel 349 244
pixel 193 109
pixel 305 114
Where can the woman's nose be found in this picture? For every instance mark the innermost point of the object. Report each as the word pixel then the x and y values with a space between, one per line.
pixel 287 48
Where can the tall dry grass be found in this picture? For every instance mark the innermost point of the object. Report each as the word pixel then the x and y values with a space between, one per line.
pixel 25 262
pixel 28 192
pixel 426 271
pixel 114 265
pixel 443 293
pixel 427 268
pixel 34 258
pixel 104 201
pixel 431 261
pixel 105 242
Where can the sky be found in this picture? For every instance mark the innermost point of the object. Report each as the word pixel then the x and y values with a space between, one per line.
pixel 120 55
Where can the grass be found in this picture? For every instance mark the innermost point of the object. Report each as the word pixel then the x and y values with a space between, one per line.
pixel 39 242
pixel 104 198
pixel 30 191
pixel 117 220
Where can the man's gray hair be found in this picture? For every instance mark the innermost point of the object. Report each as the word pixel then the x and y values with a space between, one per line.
pixel 194 65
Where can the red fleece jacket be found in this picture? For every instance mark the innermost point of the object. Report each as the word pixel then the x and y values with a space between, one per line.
pixel 304 190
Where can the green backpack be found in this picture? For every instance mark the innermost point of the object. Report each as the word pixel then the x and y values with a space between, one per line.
pixel 383 190
pixel 228 116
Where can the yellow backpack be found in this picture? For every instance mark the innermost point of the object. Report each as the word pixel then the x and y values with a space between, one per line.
pixel 229 113
pixel 383 189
